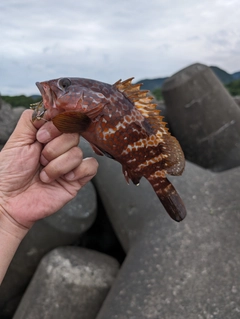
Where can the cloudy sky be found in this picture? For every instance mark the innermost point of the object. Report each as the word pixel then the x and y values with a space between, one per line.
pixel 107 40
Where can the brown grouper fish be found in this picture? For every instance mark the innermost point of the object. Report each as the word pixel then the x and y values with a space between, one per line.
pixel 121 122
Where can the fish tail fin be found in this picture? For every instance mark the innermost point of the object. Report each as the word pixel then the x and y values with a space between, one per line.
pixel 169 197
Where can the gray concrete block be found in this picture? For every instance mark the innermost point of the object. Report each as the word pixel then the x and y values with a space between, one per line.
pixel 8 120
pixel 204 117
pixel 70 282
pixel 237 100
pixel 62 228
pixel 184 270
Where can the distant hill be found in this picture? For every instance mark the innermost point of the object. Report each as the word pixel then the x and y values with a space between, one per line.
pixel 224 77
pixel 152 84
pixel 236 75
pixel 36 97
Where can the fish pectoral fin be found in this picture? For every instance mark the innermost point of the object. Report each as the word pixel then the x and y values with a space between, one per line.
pixel 169 197
pixel 71 122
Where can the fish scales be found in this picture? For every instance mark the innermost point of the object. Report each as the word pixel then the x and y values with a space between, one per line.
pixel 121 122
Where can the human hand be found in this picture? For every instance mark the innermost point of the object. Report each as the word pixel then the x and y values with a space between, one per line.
pixel 40 171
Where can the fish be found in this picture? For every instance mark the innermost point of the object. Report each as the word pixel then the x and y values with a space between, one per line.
pixel 121 122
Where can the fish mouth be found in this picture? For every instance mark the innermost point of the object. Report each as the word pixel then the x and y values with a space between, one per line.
pixel 47 94
pixel 49 104
pixel 40 87
pixel 48 99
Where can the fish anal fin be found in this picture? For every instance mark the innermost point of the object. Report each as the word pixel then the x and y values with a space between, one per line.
pixel 168 196
pixel 174 161
pixel 71 122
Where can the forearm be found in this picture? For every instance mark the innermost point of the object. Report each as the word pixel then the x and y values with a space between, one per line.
pixel 11 235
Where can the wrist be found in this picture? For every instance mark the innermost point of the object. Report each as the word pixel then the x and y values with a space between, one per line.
pixel 10 227
pixel 11 234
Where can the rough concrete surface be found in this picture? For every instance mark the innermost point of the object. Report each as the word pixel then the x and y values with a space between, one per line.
pixel 184 270
pixel 204 117
pixel 8 120
pixel 70 282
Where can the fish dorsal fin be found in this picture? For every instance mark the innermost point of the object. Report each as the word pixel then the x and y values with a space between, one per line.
pixel 143 102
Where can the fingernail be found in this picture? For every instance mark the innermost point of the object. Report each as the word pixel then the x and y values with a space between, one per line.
pixel 44 177
pixel 70 176
pixel 43 136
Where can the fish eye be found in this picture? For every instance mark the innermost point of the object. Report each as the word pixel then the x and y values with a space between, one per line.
pixel 64 83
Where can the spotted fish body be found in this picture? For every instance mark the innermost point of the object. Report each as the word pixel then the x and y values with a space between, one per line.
pixel 121 122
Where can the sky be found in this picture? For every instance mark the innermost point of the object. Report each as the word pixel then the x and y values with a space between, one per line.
pixel 108 40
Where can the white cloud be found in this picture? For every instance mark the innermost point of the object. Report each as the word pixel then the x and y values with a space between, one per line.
pixel 108 40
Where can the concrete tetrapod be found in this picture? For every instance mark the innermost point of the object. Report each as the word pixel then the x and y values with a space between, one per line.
pixel 70 282
pixel 184 270
pixel 62 228
pixel 204 117
pixel 8 119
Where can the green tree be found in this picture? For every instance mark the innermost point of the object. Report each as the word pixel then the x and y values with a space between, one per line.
pixel 158 94
pixel 20 100
pixel 234 87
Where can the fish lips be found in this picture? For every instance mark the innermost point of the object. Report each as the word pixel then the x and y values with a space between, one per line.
pixel 40 87
pixel 47 94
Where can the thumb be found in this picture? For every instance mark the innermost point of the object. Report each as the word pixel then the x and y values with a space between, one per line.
pixel 25 131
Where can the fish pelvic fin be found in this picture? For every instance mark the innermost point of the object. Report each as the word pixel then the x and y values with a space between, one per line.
pixel 168 196
pixel 129 175
pixel 71 122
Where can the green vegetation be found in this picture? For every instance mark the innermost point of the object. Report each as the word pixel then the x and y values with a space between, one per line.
pixel 234 88
pixel 158 94
pixel 20 100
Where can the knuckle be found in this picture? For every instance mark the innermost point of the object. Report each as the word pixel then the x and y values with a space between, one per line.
pixel 71 139
pixel 75 138
pixel 76 152
pixel 52 170
pixel 48 152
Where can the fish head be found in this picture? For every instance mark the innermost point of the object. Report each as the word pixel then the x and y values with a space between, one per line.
pixel 59 95
pixel 72 94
